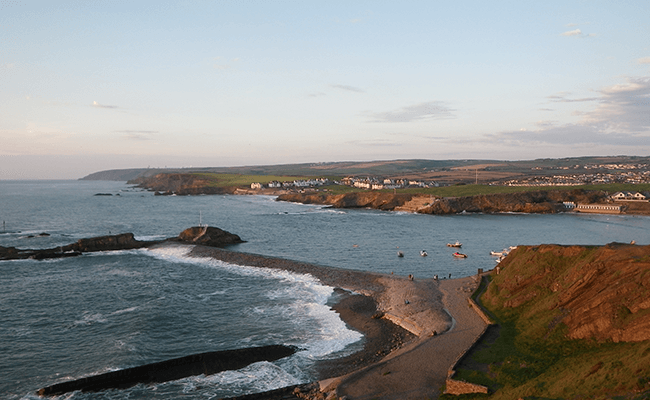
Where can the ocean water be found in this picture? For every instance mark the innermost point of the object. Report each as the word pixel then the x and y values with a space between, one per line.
pixel 69 318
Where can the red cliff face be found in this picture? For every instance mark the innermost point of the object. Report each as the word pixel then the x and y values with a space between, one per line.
pixel 597 292
pixel 525 202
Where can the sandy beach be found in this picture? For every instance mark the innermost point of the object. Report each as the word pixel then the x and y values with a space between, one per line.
pixel 414 330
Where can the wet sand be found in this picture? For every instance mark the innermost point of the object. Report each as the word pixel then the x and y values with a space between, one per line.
pixel 410 337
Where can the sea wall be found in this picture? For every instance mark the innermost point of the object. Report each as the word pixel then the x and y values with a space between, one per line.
pixel 458 387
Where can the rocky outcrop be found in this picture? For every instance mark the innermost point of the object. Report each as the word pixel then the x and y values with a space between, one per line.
pixel 208 236
pixel 376 200
pixel 178 368
pixel 599 292
pixel 181 184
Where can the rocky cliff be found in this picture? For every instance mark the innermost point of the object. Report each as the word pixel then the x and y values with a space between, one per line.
pixel 599 292
pixel 527 202
pixel 376 200
pixel 181 184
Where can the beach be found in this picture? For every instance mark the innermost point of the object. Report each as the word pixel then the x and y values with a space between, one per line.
pixel 414 330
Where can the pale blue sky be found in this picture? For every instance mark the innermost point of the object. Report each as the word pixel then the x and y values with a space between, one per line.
pixel 92 85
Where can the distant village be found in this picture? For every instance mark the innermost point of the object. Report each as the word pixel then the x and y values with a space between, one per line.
pixel 602 173
pixel 370 183
pixel 581 175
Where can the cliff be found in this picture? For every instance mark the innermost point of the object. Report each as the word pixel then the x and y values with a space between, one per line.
pixel 526 202
pixel 181 184
pixel 595 292
pixel 376 200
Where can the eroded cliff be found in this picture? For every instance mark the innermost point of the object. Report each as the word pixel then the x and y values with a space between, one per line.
pixel 596 292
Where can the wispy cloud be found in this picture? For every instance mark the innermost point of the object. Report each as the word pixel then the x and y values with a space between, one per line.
pixel 577 33
pixel 348 88
pixel 96 104
pixel 417 112
pixel 643 60
pixel 621 118
pixel 137 135
pixel 562 98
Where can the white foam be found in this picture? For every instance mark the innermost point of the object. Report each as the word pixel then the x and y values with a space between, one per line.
pixel 149 238
pixel 307 295
pixel 257 377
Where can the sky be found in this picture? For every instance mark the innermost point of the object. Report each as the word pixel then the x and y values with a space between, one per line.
pixel 94 85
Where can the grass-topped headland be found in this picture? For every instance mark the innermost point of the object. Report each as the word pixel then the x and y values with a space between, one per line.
pixel 573 322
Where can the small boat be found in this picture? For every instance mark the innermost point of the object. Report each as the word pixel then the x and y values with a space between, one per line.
pixel 457 244
pixel 400 254
pixel 423 253
pixel 459 255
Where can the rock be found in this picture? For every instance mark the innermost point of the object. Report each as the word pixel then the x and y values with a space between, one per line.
pixel 209 236
pixel 178 368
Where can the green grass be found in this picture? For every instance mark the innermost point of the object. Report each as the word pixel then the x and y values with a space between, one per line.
pixel 222 180
pixel 474 190
pixel 530 356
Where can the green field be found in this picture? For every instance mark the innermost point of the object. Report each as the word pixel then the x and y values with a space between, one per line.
pixel 223 180
pixel 474 190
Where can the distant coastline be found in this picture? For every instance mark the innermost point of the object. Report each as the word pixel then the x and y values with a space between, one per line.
pixel 531 202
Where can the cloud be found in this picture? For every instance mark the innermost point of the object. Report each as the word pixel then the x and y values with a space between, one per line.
pixel 348 88
pixel 577 33
pixel 137 135
pixel 317 94
pixel 621 118
pixel 561 98
pixel 418 112
pixel 643 60
pixel 96 104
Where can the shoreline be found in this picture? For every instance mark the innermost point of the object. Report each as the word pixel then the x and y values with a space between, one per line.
pixel 410 337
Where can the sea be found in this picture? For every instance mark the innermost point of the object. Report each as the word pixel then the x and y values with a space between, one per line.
pixel 69 318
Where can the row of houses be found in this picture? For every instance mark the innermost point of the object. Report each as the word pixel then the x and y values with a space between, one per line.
pixel 385 183
pixel 304 183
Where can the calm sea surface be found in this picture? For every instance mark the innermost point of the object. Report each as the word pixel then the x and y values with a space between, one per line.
pixel 69 318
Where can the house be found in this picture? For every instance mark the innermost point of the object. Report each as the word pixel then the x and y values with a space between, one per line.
pixel 628 196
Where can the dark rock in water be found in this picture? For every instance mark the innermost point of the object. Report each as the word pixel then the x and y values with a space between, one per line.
pixel 123 241
pixel 178 368
pixel 43 234
pixel 205 235
pixel 208 236
pixel 103 194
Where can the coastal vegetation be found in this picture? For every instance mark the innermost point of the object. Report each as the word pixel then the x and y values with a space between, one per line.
pixel 571 322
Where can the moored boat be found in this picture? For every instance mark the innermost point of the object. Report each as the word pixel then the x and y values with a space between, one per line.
pixel 457 244
pixel 459 255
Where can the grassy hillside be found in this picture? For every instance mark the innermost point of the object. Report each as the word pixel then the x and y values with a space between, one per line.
pixel 543 297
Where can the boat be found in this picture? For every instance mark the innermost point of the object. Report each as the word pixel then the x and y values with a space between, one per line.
pixel 496 253
pixel 400 254
pixel 459 255
pixel 457 244
pixel 423 253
